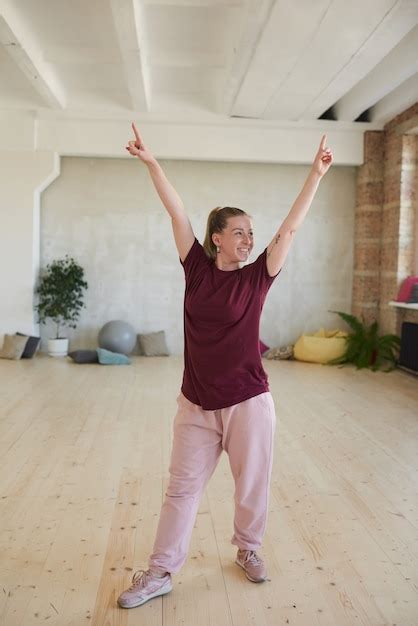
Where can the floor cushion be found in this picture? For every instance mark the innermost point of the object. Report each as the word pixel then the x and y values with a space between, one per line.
pixel 13 347
pixel 84 356
pixel 320 347
pixel 106 357
pixel 31 347
pixel 153 344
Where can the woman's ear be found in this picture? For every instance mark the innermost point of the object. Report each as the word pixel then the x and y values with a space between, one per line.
pixel 215 239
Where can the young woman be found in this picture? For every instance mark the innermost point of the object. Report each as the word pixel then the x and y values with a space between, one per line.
pixel 224 402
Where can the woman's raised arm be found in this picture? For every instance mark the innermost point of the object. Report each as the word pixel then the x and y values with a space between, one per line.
pixel 279 246
pixel 182 229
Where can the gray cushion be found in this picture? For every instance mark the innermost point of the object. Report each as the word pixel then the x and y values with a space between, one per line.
pixel 31 347
pixel 153 344
pixel 84 356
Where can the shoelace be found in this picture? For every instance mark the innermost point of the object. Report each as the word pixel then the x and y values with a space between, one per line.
pixel 252 556
pixel 139 579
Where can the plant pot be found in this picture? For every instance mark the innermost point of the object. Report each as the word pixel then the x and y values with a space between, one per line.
pixel 57 347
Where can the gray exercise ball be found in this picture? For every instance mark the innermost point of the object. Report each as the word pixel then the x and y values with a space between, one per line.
pixel 117 336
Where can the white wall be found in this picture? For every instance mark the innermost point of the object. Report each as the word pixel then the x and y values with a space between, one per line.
pixel 106 214
pixel 23 174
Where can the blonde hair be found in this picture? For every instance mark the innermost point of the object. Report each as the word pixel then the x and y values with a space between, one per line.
pixel 217 221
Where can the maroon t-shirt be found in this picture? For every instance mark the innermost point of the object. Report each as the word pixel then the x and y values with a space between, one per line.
pixel 222 309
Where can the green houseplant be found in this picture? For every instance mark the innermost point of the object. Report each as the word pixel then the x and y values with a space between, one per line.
pixel 60 299
pixel 364 346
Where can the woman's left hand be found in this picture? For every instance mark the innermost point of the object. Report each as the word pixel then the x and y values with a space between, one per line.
pixel 323 158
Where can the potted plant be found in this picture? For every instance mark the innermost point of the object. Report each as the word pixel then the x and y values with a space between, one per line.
pixel 60 298
pixel 364 346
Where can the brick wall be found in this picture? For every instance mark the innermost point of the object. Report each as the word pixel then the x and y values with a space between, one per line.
pixel 385 221
pixel 368 227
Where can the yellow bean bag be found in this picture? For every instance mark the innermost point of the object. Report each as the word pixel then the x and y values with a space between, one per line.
pixel 321 347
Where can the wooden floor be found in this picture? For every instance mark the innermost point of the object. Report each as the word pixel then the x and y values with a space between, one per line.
pixel 85 453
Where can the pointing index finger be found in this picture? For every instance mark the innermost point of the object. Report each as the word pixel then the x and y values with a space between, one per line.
pixel 137 135
pixel 323 142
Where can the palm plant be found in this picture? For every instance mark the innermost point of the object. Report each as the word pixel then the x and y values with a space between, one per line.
pixel 364 346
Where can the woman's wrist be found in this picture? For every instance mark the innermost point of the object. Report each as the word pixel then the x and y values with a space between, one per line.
pixel 153 165
pixel 314 175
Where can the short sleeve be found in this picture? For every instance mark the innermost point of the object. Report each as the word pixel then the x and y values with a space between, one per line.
pixel 260 275
pixel 195 260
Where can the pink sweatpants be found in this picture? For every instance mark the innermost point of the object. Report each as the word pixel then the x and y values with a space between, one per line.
pixel 246 432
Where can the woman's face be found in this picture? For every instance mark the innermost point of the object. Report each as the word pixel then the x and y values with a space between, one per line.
pixel 236 241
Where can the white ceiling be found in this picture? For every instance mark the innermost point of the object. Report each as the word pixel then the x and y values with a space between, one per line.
pixel 280 60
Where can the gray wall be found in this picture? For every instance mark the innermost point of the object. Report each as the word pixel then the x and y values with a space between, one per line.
pixel 106 213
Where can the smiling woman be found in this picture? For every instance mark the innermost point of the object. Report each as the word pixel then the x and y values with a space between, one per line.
pixel 224 402
pixel 229 237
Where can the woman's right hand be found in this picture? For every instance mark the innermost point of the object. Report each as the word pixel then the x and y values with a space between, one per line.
pixel 137 148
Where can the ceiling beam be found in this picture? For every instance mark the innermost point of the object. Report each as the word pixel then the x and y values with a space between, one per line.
pixel 396 102
pixel 389 32
pixel 21 45
pixel 251 141
pixel 128 16
pixel 395 68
